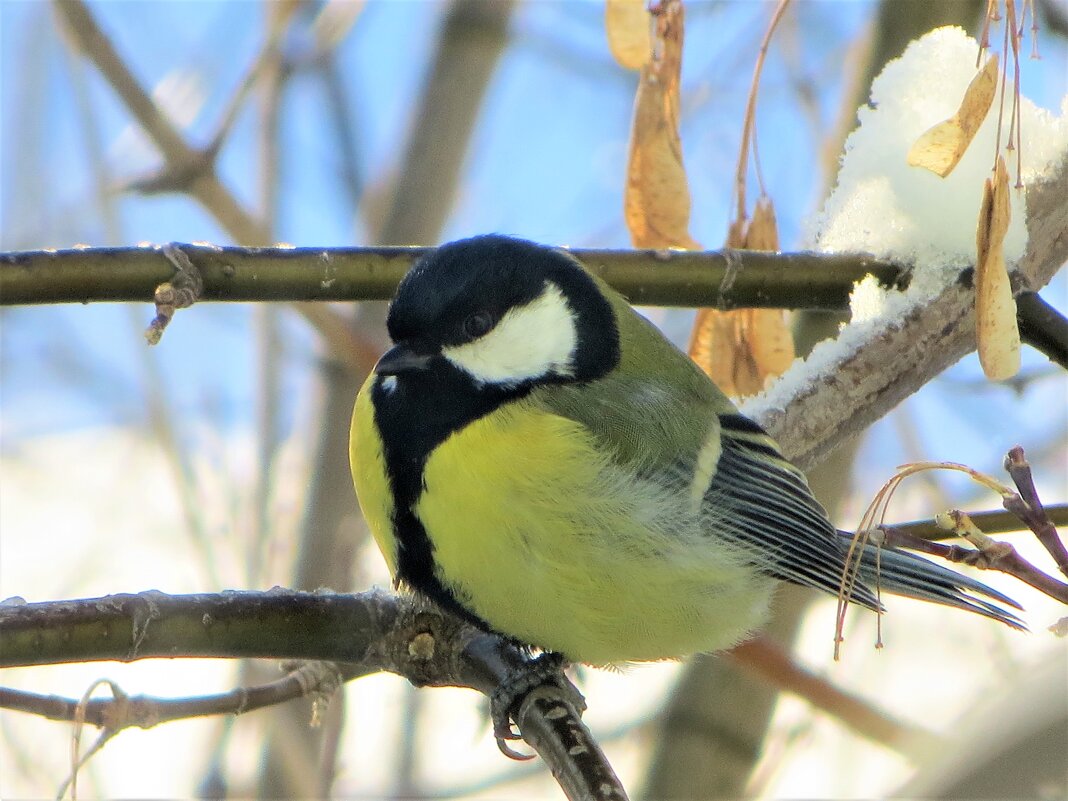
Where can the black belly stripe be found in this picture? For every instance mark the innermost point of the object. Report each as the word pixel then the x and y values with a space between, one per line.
pixel 419 413
pixel 415 567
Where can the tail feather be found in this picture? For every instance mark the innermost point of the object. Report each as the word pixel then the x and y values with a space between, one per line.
pixel 904 573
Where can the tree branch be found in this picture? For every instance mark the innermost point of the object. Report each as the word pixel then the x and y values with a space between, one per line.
pixel 1043 327
pixel 146 711
pixel 774 664
pixel 722 279
pixel 182 162
pixel 996 522
pixel 362 634
pixel 846 386
pixel 185 168
pixel 370 632
pixel 726 279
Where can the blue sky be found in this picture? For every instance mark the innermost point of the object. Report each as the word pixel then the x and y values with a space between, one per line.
pixel 547 162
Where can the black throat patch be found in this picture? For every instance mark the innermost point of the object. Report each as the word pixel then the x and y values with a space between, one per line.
pixel 415 415
pixel 418 409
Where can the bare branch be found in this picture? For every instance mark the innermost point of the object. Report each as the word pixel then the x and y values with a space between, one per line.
pixel 193 166
pixel 470 44
pixel 988 555
pixel 371 631
pixel 1029 509
pixel 994 522
pixel 146 711
pixel 1043 327
pixel 725 279
pixel 646 277
pixel 185 168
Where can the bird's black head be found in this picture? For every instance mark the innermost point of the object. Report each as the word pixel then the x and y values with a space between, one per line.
pixel 505 313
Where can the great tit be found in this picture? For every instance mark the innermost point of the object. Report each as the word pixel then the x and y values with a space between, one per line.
pixel 537 458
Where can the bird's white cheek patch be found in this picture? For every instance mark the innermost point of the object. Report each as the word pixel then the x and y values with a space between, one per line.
pixel 529 342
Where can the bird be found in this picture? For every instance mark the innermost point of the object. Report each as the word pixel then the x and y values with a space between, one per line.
pixel 536 458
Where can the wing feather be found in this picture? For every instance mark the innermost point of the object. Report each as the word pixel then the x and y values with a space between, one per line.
pixel 754 497
pixel 776 517
pixel 769 509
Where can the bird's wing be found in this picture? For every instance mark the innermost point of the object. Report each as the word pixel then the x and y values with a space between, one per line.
pixel 682 428
pixel 660 415
pixel 771 510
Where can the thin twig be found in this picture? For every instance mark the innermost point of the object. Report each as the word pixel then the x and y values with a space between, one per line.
pixel 91 40
pixel 993 522
pixel 1043 327
pixel 268 71
pixel 267 66
pixel 191 169
pixel 185 168
pixel 145 711
pixel 987 553
pixel 999 556
pixel 750 113
pixel 1028 507
pixel 342 118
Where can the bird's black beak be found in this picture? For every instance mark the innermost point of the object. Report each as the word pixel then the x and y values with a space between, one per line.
pixel 402 359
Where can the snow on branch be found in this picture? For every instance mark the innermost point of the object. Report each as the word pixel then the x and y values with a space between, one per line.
pixel 848 383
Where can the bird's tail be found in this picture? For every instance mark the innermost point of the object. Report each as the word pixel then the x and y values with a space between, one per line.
pixel 904 573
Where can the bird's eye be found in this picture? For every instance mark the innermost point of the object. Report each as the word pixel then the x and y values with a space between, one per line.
pixel 478 324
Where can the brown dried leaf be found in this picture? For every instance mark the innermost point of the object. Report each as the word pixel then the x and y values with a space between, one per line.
pixel 941 147
pixel 997 334
pixel 656 203
pixel 713 346
pixel 741 349
pixel 737 234
pixel 627 23
pixel 770 342
pixel 763 233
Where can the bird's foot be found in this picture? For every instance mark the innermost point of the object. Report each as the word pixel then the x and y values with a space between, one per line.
pixel 545 670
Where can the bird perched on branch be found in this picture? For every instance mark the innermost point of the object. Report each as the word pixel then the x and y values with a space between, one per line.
pixel 537 458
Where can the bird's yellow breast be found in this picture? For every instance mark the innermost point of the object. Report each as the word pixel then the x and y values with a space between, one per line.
pixel 368 463
pixel 540 533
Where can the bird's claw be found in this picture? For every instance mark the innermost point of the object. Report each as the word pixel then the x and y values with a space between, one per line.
pixel 545 669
